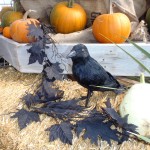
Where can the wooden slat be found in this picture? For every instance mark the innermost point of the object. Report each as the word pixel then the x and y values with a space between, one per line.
pixel 113 59
pixel 109 56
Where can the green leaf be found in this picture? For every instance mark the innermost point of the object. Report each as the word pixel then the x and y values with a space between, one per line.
pixel 145 68
pixel 136 60
pixel 141 137
pixel 139 48
pixel 105 87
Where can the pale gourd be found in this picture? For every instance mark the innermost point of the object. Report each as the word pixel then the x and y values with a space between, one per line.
pixel 136 104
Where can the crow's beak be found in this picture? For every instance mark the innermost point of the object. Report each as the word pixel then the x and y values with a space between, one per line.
pixel 71 54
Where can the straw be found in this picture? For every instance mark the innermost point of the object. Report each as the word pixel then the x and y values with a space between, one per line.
pixel 13 85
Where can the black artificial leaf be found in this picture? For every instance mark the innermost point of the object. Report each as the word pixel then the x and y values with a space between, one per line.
pixel 108 103
pixel 44 94
pixel 36 50
pixel 69 104
pixel 121 122
pixel 50 93
pixel 64 113
pixel 61 131
pixel 61 110
pixel 35 31
pixel 114 115
pixel 36 46
pixel 54 71
pixel 25 117
pixel 66 109
pixel 36 54
pixel 44 110
pixel 31 100
pixel 32 59
pixel 96 127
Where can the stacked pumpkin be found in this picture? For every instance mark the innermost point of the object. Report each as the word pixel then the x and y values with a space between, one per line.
pixel 4 10
pixel 14 24
pixel 67 17
pixel 19 31
pixel 7 16
pixel 111 28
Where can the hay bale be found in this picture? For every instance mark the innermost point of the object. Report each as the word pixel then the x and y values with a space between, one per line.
pixel 34 137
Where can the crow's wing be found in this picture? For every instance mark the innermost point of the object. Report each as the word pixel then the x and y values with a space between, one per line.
pixel 111 81
pixel 101 76
pixel 90 72
pixel 97 72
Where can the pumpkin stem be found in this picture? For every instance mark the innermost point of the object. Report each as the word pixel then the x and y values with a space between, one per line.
pixel 27 13
pixel 142 78
pixel 70 3
pixel 110 7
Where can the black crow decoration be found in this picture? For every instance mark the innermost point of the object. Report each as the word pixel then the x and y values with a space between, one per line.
pixel 90 74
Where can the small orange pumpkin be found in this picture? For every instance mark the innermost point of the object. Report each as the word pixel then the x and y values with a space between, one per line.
pixel 67 17
pixel 113 26
pixel 19 29
pixel 6 32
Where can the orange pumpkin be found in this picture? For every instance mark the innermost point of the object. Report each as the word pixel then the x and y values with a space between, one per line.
pixel 67 17
pixel 6 32
pixel 19 29
pixel 112 26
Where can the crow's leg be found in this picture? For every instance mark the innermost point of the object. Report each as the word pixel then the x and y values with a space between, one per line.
pixel 89 94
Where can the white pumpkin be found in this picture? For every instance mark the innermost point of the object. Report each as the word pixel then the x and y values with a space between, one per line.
pixel 136 104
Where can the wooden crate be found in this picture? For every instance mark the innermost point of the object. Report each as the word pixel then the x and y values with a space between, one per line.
pixel 109 56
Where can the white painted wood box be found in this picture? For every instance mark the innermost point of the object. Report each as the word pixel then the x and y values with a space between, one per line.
pixel 109 56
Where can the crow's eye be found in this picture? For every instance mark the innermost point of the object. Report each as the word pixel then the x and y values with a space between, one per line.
pixel 82 50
